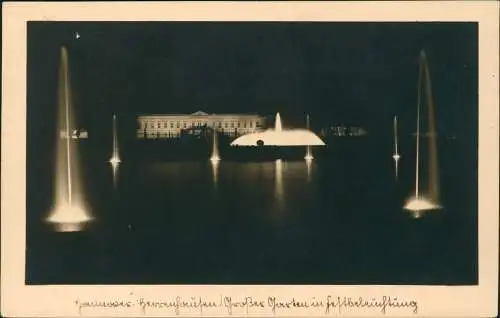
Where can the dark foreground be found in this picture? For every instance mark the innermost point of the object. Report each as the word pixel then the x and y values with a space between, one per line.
pixel 339 221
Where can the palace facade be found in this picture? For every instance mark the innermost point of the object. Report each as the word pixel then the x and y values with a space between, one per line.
pixel 174 125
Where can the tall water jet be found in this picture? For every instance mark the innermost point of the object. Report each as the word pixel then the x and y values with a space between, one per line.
pixel 69 212
pixel 308 156
pixel 430 200
pixel 277 123
pixel 215 148
pixel 433 181
pixel 115 157
pixel 215 158
pixel 396 155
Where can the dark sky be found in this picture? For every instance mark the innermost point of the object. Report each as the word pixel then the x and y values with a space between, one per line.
pixel 352 73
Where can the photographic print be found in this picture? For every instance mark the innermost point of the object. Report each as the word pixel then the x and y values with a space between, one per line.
pixel 248 153
pixel 184 153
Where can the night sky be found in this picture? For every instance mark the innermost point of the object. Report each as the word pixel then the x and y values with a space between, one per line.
pixel 341 73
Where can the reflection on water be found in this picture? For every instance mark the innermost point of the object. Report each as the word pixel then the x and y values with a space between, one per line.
pixel 309 167
pixel 417 214
pixel 239 185
pixel 268 222
pixel 215 172
pixel 279 183
pixel 115 169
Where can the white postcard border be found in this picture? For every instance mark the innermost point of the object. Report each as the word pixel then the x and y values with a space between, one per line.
pixel 20 300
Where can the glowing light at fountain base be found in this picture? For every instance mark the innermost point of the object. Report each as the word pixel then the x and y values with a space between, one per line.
pixel 396 157
pixel 308 157
pixel 418 205
pixel 115 161
pixel 215 159
pixel 68 218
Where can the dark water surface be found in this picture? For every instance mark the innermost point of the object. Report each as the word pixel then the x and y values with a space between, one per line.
pixel 186 222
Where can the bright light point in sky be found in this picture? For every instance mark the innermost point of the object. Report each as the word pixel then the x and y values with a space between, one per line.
pixel 77 35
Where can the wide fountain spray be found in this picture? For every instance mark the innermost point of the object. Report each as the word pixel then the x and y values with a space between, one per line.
pixel 69 212
pixel 278 136
pixel 420 203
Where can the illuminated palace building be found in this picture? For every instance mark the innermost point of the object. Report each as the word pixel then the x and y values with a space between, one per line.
pixel 175 125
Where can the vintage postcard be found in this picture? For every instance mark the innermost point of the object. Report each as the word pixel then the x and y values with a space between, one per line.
pixel 250 159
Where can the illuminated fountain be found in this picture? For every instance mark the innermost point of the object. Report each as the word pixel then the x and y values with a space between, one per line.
pixel 396 155
pixel 309 155
pixel 215 148
pixel 279 137
pixel 69 212
pixel 215 158
pixel 308 166
pixel 419 203
pixel 115 157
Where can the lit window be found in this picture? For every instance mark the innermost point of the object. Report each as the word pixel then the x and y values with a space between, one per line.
pixel 251 124
pixel 178 124
pixel 172 124
pixel 164 124
pixel 238 124
pixel 184 124
pixel 152 125
pixel 225 124
pixel 245 125
pixel 220 124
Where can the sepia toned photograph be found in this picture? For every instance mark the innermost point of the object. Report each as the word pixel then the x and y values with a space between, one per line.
pixel 252 153
pixel 250 158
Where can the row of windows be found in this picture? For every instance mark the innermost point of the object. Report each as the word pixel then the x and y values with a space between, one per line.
pixel 178 124
pixel 177 134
